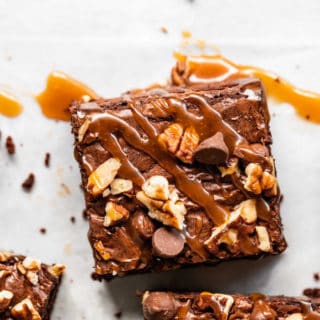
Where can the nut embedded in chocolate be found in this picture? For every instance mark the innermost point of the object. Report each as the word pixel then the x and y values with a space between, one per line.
pixel 167 243
pixel 212 150
pixel 159 306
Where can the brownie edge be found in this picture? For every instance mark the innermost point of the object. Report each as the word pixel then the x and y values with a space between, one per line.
pixel 27 287
pixel 206 305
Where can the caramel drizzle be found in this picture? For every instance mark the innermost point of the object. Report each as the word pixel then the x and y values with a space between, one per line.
pixel 207 124
pixel 10 106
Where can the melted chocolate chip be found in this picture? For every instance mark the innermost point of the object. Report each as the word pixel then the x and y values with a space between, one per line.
pixel 167 243
pixel 212 150
pixel 159 306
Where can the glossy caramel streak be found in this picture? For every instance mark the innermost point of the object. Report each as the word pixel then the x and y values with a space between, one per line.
pixel 60 91
pixel 10 106
pixel 211 68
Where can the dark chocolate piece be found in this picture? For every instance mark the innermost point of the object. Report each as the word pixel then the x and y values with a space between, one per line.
pixel 29 182
pixel 206 305
pixel 47 159
pixel 11 147
pixel 27 287
pixel 140 173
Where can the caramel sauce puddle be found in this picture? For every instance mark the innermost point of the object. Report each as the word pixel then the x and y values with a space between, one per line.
pixel 197 69
pixel 60 91
pixel 10 106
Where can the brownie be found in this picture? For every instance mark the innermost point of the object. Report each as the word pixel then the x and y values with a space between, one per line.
pixel 27 287
pixel 178 176
pixel 206 305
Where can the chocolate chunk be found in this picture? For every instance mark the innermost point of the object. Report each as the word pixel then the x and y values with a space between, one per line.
pixel 29 182
pixel 316 276
pixel 143 225
pixel 159 306
pixel 212 150
pixel 167 243
pixel 11 148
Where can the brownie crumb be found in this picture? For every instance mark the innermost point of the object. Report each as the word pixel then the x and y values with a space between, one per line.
pixel 43 230
pixel 164 30
pixel 73 219
pixel 118 315
pixel 29 182
pixel 47 160
pixel 312 292
pixel 316 276
pixel 11 148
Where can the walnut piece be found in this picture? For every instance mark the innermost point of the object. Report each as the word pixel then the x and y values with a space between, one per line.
pixel 25 310
pixel 248 210
pixel 101 178
pixel 105 255
pixel 263 236
pixel 32 277
pixel 258 180
pixel 232 167
pixel 5 256
pixel 114 214
pixel 5 299
pixel 31 264
pixel 225 301
pixel 188 145
pixel 229 238
pixel 162 201
pixel 57 269
pixel 83 129
pixel 120 185
pixel 182 143
pixel 295 316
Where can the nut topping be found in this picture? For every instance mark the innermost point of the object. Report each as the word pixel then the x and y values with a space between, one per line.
pixel 101 178
pixel 5 256
pixel 188 145
pixel 263 236
pixel 105 255
pixel 32 277
pixel 114 214
pixel 83 129
pixel 232 167
pixel 120 185
pixel 295 316
pixel 162 201
pixel 57 269
pixel 258 180
pixel 31 264
pixel 248 210
pixel 171 137
pixel 25 310
pixel 5 299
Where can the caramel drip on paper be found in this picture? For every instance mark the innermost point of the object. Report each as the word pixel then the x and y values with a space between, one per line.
pixel 10 106
pixel 191 70
pixel 207 123
pixel 60 91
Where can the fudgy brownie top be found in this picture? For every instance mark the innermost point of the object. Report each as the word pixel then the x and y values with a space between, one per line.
pixel 27 287
pixel 206 305
pixel 175 176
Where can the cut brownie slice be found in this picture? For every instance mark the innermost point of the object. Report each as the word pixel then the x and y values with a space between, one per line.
pixel 206 305
pixel 27 287
pixel 174 177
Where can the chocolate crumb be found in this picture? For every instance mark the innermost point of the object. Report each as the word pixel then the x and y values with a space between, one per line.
pixel 316 276
pixel 312 292
pixel 73 219
pixel 118 314
pixel 11 148
pixel 43 230
pixel 29 182
pixel 47 160
pixel 164 30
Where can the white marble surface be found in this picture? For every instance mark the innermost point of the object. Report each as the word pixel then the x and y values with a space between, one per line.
pixel 116 45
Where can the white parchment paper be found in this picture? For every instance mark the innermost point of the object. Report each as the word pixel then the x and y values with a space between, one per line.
pixel 117 45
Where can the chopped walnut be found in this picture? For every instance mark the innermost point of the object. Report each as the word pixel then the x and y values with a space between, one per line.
pixel 114 214
pixel 21 268
pixel 171 137
pixel 5 299
pixel 258 180
pixel 263 236
pixel 4 274
pixel 83 129
pixel 162 201
pixel 295 316
pixel 182 143
pixel 25 310
pixel 120 185
pixel 31 264
pixel 32 277
pixel 232 167
pixel 188 145
pixel 230 237
pixel 248 210
pixel 105 255
pixel 5 256
pixel 156 187
pixel 57 269
pixel 101 178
